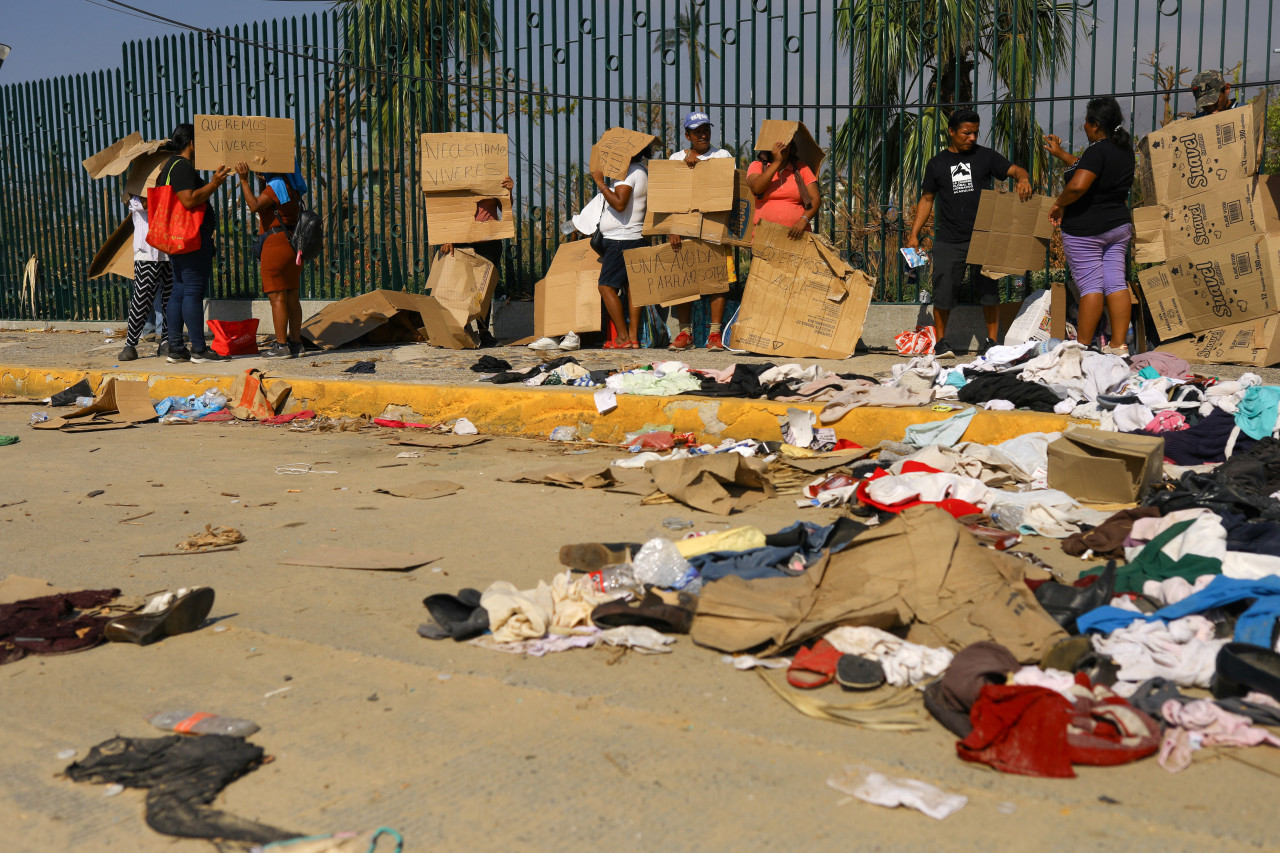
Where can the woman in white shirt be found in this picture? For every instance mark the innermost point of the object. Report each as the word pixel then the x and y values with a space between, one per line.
pixel 152 272
pixel 625 205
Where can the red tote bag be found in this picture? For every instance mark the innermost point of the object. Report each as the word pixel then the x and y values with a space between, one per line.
pixel 235 337
pixel 172 228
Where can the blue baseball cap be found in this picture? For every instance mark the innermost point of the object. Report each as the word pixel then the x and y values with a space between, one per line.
pixel 693 120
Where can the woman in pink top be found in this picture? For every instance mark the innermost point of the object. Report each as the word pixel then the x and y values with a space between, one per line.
pixel 773 179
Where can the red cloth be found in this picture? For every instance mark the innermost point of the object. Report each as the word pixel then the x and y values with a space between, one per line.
pixel 400 424
pixel 956 508
pixel 846 444
pixel 304 415
pixel 220 415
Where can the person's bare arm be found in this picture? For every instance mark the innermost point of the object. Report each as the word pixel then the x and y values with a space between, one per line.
pixel 759 183
pixel 617 197
pixel 923 210
pixel 191 199
pixel 1023 179
pixel 1053 144
pixel 811 210
pixel 256 203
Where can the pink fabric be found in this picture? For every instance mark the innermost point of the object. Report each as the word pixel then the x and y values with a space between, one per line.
pixel 1203 723
pixel 1167 421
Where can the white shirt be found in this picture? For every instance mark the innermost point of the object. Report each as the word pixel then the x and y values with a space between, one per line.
pixel 714 154
pixel 627 223
pixel 142 250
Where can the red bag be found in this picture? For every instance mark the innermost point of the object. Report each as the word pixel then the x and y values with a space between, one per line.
pixel 235 337
pixel 172 228
pixel 919 342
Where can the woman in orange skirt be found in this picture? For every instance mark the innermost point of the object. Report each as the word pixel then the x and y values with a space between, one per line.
pixel 277 209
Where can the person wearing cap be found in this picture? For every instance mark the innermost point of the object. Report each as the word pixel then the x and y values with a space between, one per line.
pixel 697 130
pixel 1212 93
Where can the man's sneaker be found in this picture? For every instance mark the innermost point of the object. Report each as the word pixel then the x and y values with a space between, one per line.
pixel 128 353
pixel 1122 351
pixel 162 350
pixel 986 344
pixel 278 350
pixel 295 350
pixel 544 344
pixel 207 354
pixel 683 341
pixel 943 350
pixel 570 342
pixel 178 355
pixel 714 343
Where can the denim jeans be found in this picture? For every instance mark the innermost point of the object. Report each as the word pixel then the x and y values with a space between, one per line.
pixel 191 274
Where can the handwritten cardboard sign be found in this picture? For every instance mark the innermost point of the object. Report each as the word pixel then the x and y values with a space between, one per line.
pixel 676 188
pixel 612 154
pixel 451 218
pixel 661 275
pixel 463 161
pixel 266 144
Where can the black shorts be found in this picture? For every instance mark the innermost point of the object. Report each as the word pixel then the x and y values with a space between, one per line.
pixel 948 275
pixel 613 270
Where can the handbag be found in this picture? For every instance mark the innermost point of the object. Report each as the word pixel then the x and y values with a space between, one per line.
pixel 597 238
pixel 172 228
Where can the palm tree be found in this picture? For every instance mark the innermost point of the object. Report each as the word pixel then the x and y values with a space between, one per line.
pixel 688 31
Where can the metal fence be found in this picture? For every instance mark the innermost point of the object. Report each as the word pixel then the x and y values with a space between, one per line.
pixel 873 79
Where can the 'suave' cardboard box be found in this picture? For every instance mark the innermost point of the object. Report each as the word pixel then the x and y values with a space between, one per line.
pixel 1192 156
pixel 1234 210
pixel 1255 343
pixel 1213 287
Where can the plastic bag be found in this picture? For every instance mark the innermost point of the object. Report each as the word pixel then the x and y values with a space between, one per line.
pixel 919 342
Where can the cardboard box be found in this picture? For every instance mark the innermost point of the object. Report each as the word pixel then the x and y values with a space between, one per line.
pixel 773 131
pixel 733 227
pixel 379 317
pixel 1010 236
pixel 661 275
pixel 568 298
pixel 1255 343
pixel 476 162
pixel 801 300
pixel 461 285
pixel 1148 234
pixel 1213 287
pixel 674 187
pixel 612 154
pixel 1233 210
pixel 116 255
pixel 451 218
pixel 1191 156
pixel 1105 467
pixel 266 144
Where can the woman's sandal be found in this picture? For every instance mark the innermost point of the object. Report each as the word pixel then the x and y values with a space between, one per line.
pixel 617 345
pixel 814 667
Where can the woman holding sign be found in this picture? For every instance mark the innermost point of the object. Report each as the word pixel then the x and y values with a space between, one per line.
pixel 621 224
pixel 786 190
pixel 277 209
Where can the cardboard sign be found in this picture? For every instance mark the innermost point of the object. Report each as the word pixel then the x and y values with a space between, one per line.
pixel 733 227
pixel 612 154
pixel 795 303
pixel 1010 236
pixel 568 299
pixel 1108 467
pixel 1191 156
pixel 674 187
pixel 661 275
pixel 266 144
pixel 773 131
pixel 461 285
pixel 451 218
pixel 463 161
pixel 1218 286
pixel 116 255
pixel 1255 343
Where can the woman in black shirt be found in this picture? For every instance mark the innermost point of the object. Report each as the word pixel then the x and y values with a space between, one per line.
pixel 1093 211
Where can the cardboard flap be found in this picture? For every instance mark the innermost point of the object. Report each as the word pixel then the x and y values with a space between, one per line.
pixel 708 187
pixel 115 255
pixel 267 144
pixel 445 327
pixel 1194 155
pixel 568 299
pixel 119 401
pixel 612 154
pixel 1148 234
pixel 463 282
pixel 385 315
pixel 1096 465
pixel 144 171
pixel 1010 236
pixel 451 218
pixel 1255 343
pixel 116 157
pixel 774 130
pixel 662 275
pixel 473 162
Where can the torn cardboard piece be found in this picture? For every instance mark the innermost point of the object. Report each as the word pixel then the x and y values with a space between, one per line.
pixel 1148 234
pixel 378 317
pixel 120 403
pixel 569 478
pixel 662 275
pixel 1095 465
pixel 795 304
pixel 719 483
pixel 1217 286
pixel 423 491
pixel 568 298
pixel 1255 343
pixel 773 131
pixel 473 162
pixel 461 285
pixel 116 255
pixel 451 218
pixel 255 398
pixel 140 158
pixel 441 440
pixel 708 187
pixel 1010 236
pixel 371 559
pixel 613 152
pixel 1191 156
pixel 267 144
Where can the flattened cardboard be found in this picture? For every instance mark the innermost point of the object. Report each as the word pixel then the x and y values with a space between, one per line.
pixel 613 152
pixel 441 440
pixel 568 299
pixel 267 144
pixel 1255 343
pixel 1191 156
pixel 794 304
pixel 461 285
pixel 1233 210
pixel 734 227
pixel 116 255
pixel 1010 236
pixel 474 162
pixel 1162 301
pixel 380 317
pixel 119 403
pixel 451 218
pixel 1218 286
pixel 661 275
pixel 774 130
pixel 569 478
pixel 1095 465
pixel 423 491
pixel 719 483
pixel 370 559
pixel 443 327
pixel 708 187
pixel 1148 234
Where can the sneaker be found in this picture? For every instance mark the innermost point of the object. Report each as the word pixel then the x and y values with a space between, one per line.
pixel 943 350
pixel 295 350
pixel 714 343
pixel 162 350
pixel 1122 351
pixel 177 355
pixel 986 344
pixel 683 341
pixel 128 353
pixel 278 350
pixel 570 342
pixel 207 354
pixel 544 344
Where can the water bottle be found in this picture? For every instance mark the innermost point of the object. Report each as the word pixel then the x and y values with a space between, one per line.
pixel 200 723
pixel 1008 516
pixel 84 402
pixel 39 418
pixel 659 562
pixel 615 579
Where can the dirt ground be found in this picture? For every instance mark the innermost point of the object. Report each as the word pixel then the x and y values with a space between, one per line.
pixel 456 745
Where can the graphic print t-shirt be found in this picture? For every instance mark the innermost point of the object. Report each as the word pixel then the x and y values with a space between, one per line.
pixel 957 181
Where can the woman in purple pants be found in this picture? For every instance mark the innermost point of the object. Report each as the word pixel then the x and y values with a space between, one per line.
pixel 1093 211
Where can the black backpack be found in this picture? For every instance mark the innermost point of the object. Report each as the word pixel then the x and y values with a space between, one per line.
pixel 307 235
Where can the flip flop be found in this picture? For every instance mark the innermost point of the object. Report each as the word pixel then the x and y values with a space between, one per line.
pixel 461 615
pixel 854 672
pixel 651 612
pixel 616 345
pixel 185 613
pixel 814 667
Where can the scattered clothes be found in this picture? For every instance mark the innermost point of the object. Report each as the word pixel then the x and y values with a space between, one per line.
pixel 1107 539
pixel 943 433
pixel 783 554
pixel 53 624
pixel 361 367
pixel 304 415
pixel 1164 363
pixel 1255 625
pixel 893 791
pixel 1183 650
pixel 68 396
pixel 1257 411
pixel 1155 562
pixel 182 776
pixel 1167 421
pixel 905 664
pixel 490 364
pixel 1007 386
pixel 1075 372
pixel 720 483
pixel 949 698
pixel 1203 723
pixel 6 440
pixel 742 380
pixel 1205 441
pixel 1151 696
pixel 460 616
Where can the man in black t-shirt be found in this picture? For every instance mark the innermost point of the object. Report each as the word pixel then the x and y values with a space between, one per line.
pixel 956 176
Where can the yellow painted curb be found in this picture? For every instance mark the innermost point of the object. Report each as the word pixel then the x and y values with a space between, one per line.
pixel 534 412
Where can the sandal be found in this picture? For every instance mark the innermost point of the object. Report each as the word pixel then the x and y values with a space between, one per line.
pixel 814 667
pixel 183 613
pixel 616 345
pixel 854 672
pixel 634 345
